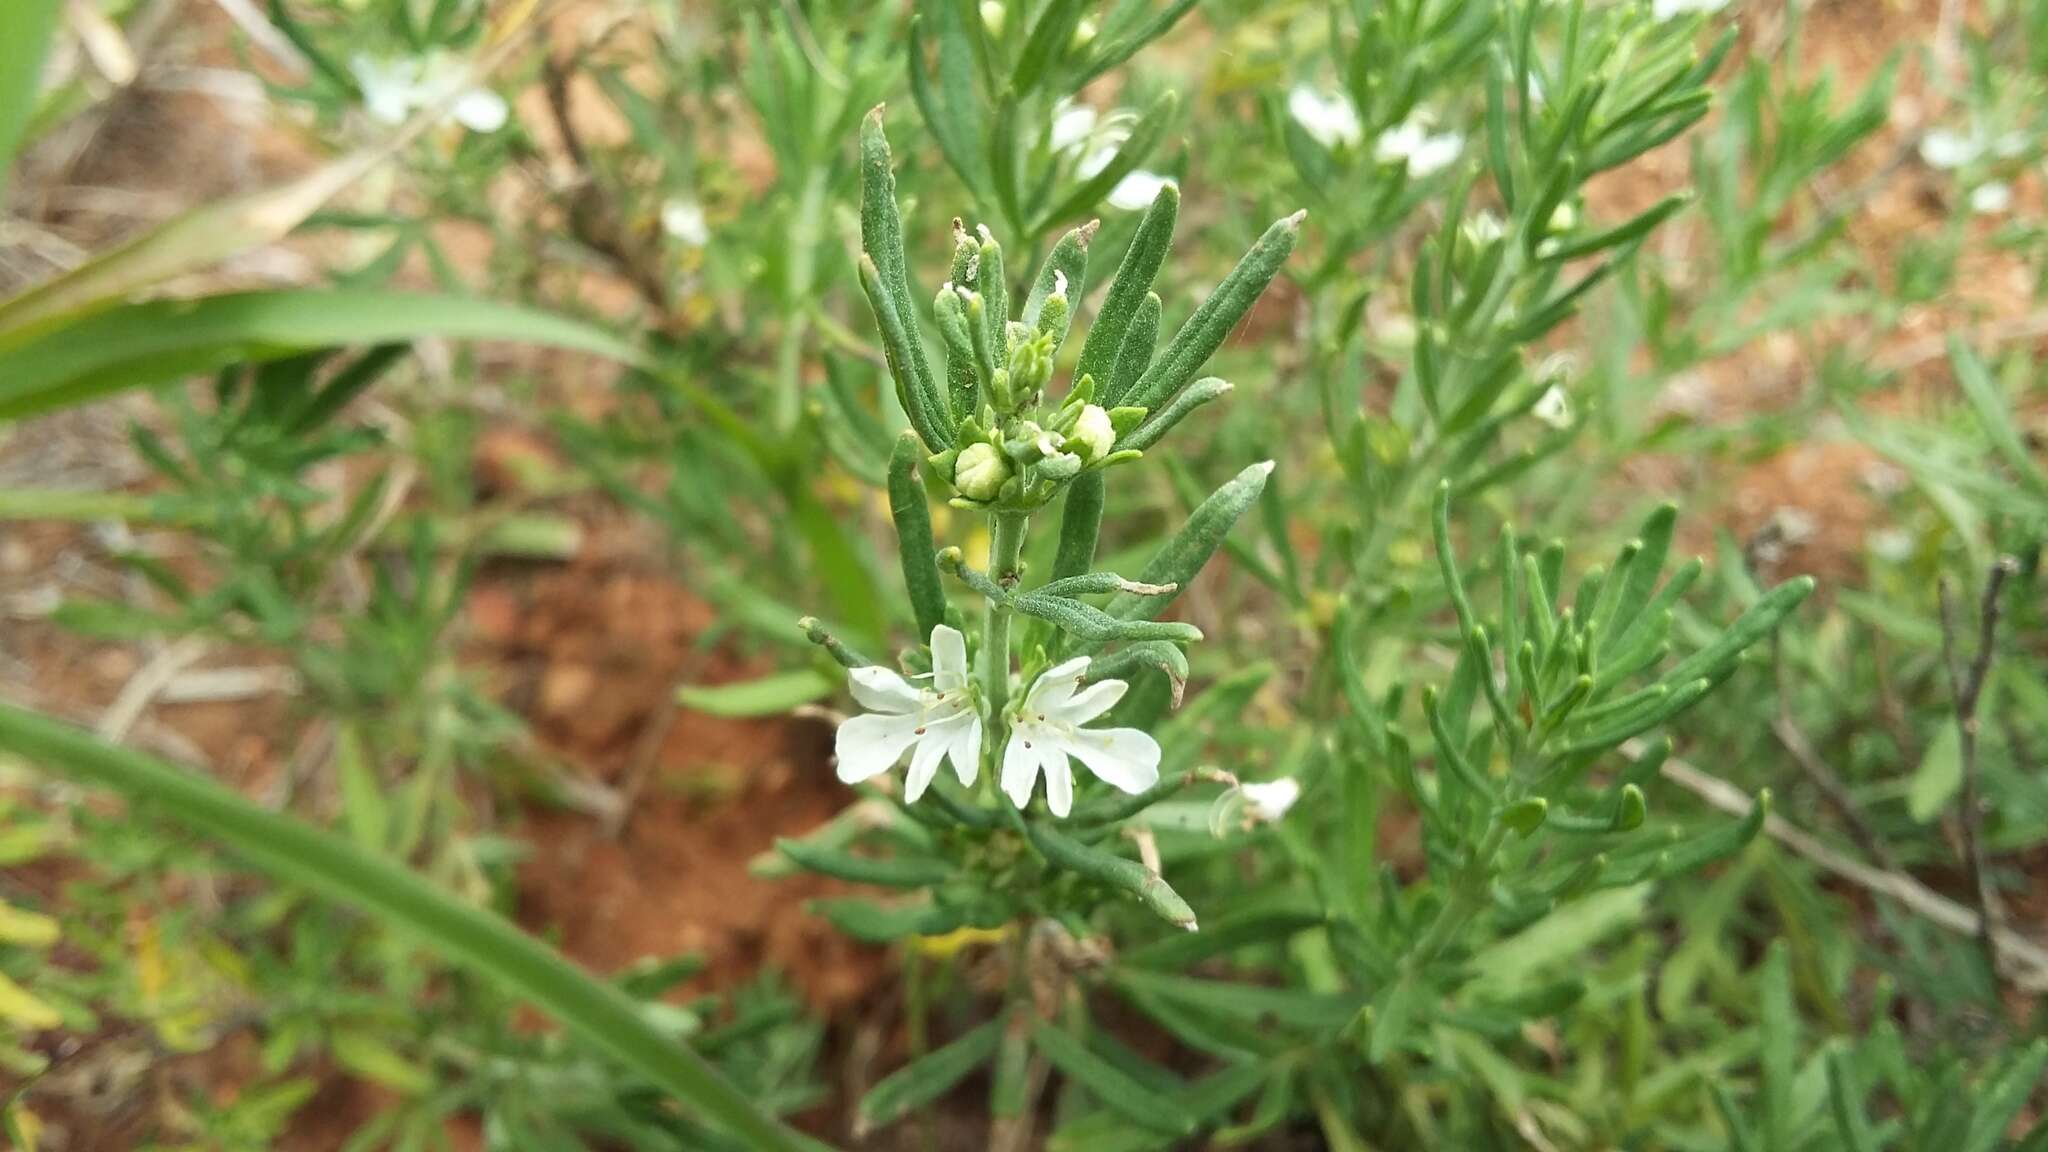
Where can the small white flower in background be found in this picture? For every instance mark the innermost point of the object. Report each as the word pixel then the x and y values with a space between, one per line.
pixel 1412 143
pixel 1946 149
pixel 1484 229
pixel 1554 408
pixel 1794 525
pixel 1893 544
pixel 993 16
pixel 938 721
pixel 1990 199
pixel 683 218
pixel 1672 9
pixel 1092 140
pixel 1072 124
pixel 1331 121
pixel 1135 192
pixel 395 89
pixel 1268 802
pixel 1046 730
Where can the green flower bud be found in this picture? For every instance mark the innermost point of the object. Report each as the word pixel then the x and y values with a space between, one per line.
pixel 980 471
pixel 1093 435
pixel 1060 466
pixel 993 15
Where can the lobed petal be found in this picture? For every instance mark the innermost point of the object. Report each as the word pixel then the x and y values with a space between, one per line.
pixel 870 745
pixel 1123 758
pixel 880 689
pixel 1092 701
pixel 1055 686
pixel 949 659
pixel 965 750
pixel 1021 761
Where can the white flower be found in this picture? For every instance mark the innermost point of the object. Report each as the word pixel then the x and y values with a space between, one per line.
pixel 1331 121
pixel 938 721
pixel 1484 229
pixel 1135 192
pixel 1794 525
pixel 1412 143
pixel 1669 9
pixel 683 218
pixel 1268 802
pixel 1090 139
pixel 1072 124
pixel 1943 148
pixel 395 89
pixel 1893 544
pixel 1554 408
pixel 1046 730
pixel 1991 199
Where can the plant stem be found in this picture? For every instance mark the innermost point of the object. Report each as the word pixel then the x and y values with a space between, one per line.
pixel 1006 545
pixel 1468 894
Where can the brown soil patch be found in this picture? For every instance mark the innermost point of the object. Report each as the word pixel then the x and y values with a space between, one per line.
pixel 592 654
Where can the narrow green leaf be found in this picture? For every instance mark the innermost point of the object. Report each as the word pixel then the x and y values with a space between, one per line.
pixel 1211 324
pixel 1184 556
pixel 1118 1091
pixel 26 27
pixel 882 871
pixel 924 1080
pixel 767 696
pixel 140 345
pixel 1129 876
pixel 915 549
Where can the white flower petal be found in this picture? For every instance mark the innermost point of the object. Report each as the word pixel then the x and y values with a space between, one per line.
pixel 1072 124
pixel 1434 154
pixel 949 659
pixel 683 218
pixel 1055 686
pixel 870 745
pixel 1331 121
pixel 880 689
pixel 1059 785
pixel 1991 199
pixel 1093 701
pixel 1398 143
pixel 1554 408
pixel 924 762
pixel 1943 148
pixel 389 87
pixel 965 750
pixel 481 110
pixel 1123 758
pixel 1269 801
pixel 1020 767
pixel 1135 192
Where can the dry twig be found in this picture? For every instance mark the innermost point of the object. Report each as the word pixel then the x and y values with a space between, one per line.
pixel 1967 686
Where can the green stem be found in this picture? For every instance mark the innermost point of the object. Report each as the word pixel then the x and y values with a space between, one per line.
pixel 1006 547
pixel 803 244
pixel 1468 895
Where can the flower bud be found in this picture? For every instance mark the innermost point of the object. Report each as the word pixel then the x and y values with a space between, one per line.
pixel 993 15
pixel 1093 435
pixel 980 471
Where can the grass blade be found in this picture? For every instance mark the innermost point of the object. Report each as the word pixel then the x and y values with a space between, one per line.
pixel 323 863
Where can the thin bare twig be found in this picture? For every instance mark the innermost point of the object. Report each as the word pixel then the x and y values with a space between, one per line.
pixel 2028 959
pixel 1967 686
pixel 594 217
